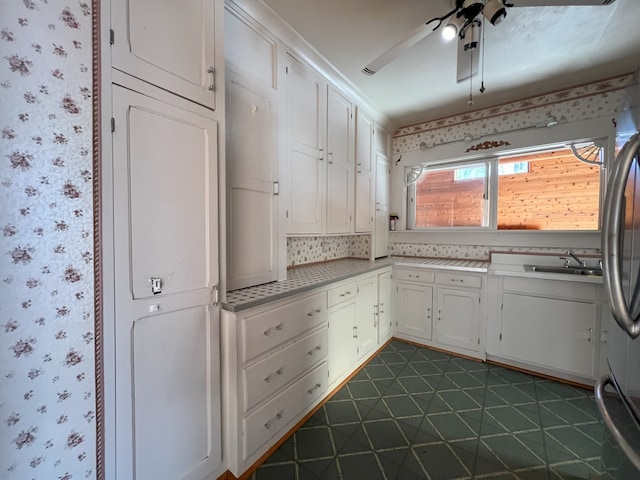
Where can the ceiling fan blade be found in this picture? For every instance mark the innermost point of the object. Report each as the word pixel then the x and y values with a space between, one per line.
pixel 409 41
pixel 558 3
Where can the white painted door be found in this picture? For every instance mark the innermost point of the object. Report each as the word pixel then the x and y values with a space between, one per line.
pixel 305 153
pixel 381 237
pixel 458 318
pixel 365 173
pixel 167 43
pixel 340 167
pixel 384 306
pixel 167 371
pixel 366 320
pixel 252 159
pixel 554 333
pixel 414 310
pixel 342 347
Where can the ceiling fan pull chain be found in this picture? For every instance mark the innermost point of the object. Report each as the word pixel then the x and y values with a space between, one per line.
pixel 482 89
pixel 470 102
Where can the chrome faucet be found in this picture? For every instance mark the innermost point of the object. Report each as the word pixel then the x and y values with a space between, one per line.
pixel 582 263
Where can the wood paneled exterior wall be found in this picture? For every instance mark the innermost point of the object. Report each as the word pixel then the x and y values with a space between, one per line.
pixel 557 193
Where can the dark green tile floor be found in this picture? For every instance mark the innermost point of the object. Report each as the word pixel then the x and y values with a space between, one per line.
pixel 415 413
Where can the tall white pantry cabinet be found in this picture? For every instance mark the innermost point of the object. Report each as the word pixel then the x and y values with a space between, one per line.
pixel 164 105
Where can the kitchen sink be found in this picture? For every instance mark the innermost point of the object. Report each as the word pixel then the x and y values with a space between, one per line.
pixel 595 271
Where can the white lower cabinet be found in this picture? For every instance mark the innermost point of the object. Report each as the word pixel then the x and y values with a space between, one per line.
pixel 366 320
pixel 440 309
pixel 548 326
pixel 414 306
pixel 385 287
pixel 353 324
pixel 282 357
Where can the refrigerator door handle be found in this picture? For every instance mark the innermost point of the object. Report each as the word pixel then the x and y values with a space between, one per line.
pixel 631 454
pixel 613 224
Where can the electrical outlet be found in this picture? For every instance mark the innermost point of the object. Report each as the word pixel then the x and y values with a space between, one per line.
pixel 324 245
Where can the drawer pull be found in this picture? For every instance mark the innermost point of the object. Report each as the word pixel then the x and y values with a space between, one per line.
pixel 273 420
pixel 278 372
pixel 268 331
pixel 382 308
pixel 314 388
pixel 416 276
pixel 313 350
pixel 457 280
pixel 345 294
pixel 311 313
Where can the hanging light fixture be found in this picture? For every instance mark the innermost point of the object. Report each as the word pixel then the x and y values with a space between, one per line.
pixel 453 27
pixel 494 11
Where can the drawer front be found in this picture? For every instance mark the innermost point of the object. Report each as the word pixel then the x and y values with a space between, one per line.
pixel 270 328
pixel 342 293
pixel 413 275
pixel 266 377
pixel 458 280
pixel 266 422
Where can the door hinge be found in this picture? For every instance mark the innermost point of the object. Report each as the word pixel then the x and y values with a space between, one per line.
pixel 276 188
pixel 286 70
pixel 112 36
pixel 286 213
pixel 479 301
pixel 216 296
pixel 113 124
pixel 478 341
pixel 501 305
pixel 500 337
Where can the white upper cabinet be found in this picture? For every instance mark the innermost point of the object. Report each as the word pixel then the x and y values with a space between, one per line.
pixel 168 44
pixel 381 237
pixel 252 183
pixel 305 152
pixel 365 173
pixel 252 113
pixel 340 166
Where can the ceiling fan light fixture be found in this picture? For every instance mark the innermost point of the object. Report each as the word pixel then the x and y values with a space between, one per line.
pixel 494 11
pixel 452 29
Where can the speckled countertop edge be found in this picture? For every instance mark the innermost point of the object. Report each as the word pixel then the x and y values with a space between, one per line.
pixel 306 278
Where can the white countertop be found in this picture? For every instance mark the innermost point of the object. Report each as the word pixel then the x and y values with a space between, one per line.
pixel 307 277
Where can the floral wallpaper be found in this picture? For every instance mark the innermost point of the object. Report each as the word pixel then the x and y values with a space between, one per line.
pixel 302 250
pixel 578 103
pixel 476 252
pixel 47 379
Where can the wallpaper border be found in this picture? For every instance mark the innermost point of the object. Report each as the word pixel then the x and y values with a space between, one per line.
pixel 97 236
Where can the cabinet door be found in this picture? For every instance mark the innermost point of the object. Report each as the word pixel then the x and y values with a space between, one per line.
pixel 414 310
pixel 305 154
pixel 458 318
pixel 340 166
pixel 342 348
pixel 167 351
pixel 366 321
pixel 252 166
pixel 365 173
pixel 384 306
pixel 169 44
pixel 381 237
pixel 553 333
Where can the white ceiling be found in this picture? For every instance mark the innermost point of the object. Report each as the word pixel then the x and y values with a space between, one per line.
pixel 534 51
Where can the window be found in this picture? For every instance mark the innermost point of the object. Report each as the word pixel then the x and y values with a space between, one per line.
pixel 452 197
pixel 542 190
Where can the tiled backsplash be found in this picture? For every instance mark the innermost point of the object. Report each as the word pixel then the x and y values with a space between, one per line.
pixel 302 250
pixel 475 252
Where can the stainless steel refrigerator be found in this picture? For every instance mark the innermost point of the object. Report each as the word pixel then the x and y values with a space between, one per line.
pixel 618 393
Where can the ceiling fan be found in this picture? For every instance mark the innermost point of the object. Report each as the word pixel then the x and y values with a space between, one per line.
pixel 464 22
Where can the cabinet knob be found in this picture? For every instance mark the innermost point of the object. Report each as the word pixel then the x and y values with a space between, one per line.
pixel 314 388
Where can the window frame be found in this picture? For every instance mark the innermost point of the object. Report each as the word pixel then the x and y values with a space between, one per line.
pixel 491 186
